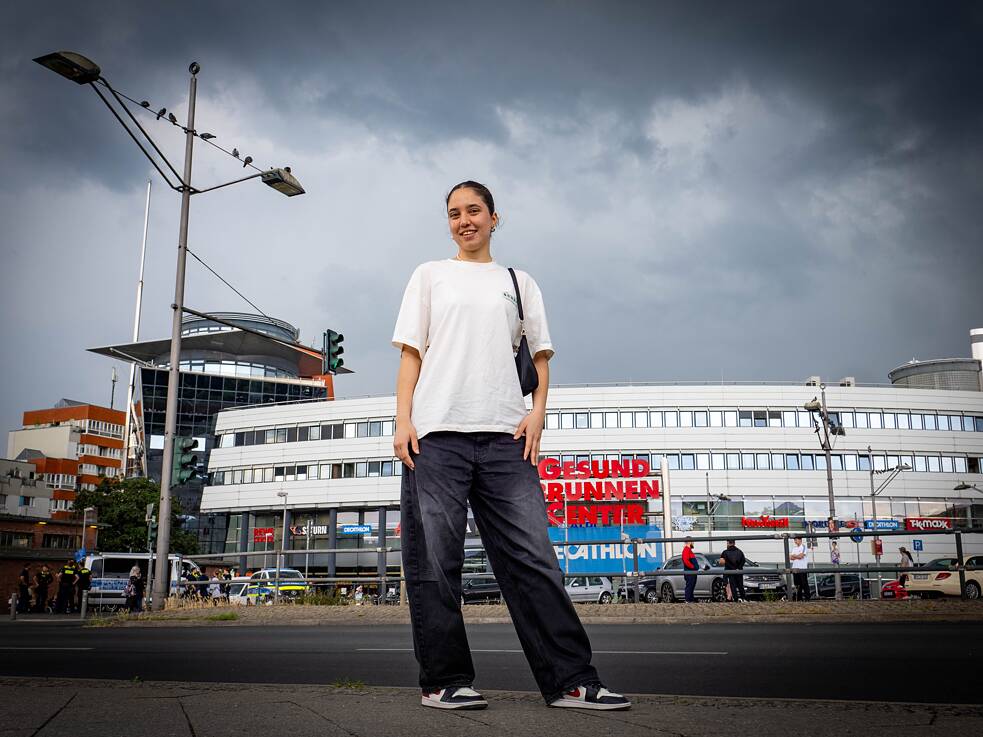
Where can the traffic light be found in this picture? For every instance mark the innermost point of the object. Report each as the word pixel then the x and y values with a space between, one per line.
pixel 185 464
pixel 151 532
pixel 333 349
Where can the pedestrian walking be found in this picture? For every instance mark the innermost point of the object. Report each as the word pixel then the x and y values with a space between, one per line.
pixel 134 590
pixel 214 589
pixel 24 589
pixel 690 563
pixel 464 435
pixel 66 587
pixel 732 559
pixel 799 556
pixel 904 561
pixel 42 580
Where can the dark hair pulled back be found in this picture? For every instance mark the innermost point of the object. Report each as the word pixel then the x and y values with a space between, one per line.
pixel 483 192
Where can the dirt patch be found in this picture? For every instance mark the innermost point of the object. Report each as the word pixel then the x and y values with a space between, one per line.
pixel 780 611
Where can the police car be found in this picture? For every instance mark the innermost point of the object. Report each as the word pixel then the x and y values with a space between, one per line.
pixel 261 586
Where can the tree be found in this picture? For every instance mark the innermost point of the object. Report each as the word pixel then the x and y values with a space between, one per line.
pixel 122 505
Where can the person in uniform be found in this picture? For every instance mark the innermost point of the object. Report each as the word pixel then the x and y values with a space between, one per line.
pixel 42 580
pixel 66 588
pixel 24 589
pixel 83 583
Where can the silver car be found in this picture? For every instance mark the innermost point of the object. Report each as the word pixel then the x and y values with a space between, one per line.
pixel 590 588
pixel 671 585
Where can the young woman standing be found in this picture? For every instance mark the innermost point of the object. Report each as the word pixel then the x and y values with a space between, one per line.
pixel 465 436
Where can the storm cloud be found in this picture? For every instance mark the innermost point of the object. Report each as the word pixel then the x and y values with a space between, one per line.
pixel 720 191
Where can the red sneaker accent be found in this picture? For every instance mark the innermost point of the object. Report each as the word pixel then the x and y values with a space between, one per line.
pixel 575 692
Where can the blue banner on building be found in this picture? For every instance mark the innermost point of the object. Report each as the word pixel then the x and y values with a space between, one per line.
pixel 609 558
pixel 355 529
pixel 883 524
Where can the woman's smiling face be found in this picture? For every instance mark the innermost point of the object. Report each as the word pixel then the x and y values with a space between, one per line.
pixel 469 220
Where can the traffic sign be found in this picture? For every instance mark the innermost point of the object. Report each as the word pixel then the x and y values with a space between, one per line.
pixel 857 536
pixel 917 546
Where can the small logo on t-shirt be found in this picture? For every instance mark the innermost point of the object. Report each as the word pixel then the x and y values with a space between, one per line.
pixel 510 298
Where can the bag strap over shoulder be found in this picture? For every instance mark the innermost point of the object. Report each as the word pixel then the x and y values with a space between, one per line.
pixel 518 298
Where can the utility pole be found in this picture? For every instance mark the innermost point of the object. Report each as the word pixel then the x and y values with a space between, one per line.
pixel 173 374
pixel 112 393
pixel 823 431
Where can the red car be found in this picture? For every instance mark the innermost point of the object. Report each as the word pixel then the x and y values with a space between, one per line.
pixel 894 590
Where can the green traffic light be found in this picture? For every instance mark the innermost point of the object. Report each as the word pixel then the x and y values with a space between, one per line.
pixel 184 466
pixel 333 349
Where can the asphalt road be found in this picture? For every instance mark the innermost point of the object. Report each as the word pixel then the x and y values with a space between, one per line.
pixel 912 662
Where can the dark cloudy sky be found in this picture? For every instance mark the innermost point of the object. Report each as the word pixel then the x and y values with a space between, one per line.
pixel 746 191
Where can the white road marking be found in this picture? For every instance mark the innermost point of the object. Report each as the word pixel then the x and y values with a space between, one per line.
pixel 596 652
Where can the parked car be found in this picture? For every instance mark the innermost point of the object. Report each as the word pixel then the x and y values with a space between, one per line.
pixel 853 586
pixel 894 590
pixel 590 588
pixel 946 583
pixel 262 586
pixel 648 590
pixel 478 589
pixel 668 584
pixel 237 591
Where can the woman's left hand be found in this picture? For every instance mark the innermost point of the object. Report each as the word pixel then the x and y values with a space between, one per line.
pixel 532 427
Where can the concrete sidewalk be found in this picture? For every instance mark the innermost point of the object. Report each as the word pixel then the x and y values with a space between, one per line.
pixel 83 708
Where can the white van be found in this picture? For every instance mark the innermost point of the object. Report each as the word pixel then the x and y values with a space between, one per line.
pixel 111 573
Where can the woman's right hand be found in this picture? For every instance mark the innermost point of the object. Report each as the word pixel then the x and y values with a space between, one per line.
pixel 404 440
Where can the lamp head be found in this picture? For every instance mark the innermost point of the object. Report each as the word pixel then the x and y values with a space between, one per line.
pixel 71 66
pixel 961 486
pixel 812 405
pixel 282 181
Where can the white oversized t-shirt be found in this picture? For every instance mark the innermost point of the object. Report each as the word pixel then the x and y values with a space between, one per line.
pixel 463 320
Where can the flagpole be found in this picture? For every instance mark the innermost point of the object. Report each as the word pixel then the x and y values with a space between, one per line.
pixel 131 388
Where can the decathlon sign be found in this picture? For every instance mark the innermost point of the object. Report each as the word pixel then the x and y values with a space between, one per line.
pixel 591 557
pixel 928 523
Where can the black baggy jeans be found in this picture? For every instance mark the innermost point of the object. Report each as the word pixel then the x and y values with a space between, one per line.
pixel 487 470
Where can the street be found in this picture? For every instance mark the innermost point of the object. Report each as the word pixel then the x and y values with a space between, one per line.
pixel 911 662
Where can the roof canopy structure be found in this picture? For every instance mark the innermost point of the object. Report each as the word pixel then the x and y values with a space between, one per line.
pixel 235 342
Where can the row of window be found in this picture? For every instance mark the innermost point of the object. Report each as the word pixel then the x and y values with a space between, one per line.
pixel 606 420
pixel 308 471
pixel 93 470
pixel 303 433
pixel 677 461
pixel 794 461
pixel 98 450
pixel 235 368
pixel 60 480
pixel 864 419
pixel 98 427
pixel 690 514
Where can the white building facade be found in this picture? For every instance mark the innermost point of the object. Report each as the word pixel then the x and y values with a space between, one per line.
pixel 748 452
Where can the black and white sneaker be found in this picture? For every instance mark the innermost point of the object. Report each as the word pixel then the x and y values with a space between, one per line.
pixel 454 697
pixel 592 695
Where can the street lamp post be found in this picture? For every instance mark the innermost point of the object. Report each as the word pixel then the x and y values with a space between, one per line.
pixel 81 70
pixel 873 507
pixel 283 545
pixel 827 428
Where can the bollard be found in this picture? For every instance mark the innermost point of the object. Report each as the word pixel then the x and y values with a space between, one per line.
pixel 85 605
pixel 13 606
pixel 788 569
pixel 962 570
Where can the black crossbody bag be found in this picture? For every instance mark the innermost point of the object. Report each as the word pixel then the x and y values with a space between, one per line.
pixel 528 376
